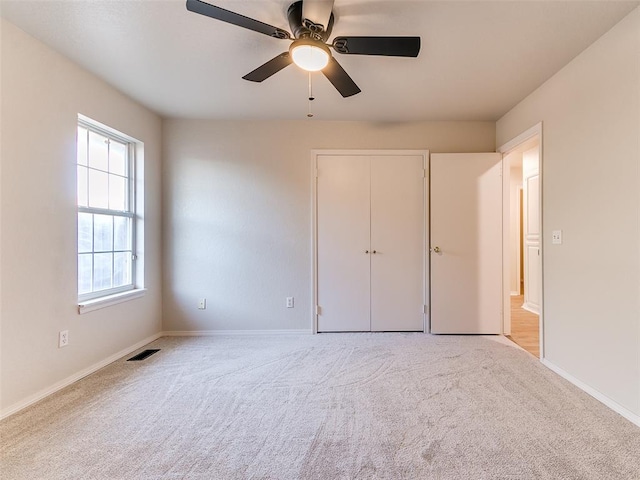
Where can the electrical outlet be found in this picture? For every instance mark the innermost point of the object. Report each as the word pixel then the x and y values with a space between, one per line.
pixel 556 237
pixel 289 302
pixel 202 304
pixel 63 338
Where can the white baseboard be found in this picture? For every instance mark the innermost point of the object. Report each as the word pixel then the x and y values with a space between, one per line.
pixel 209 333
pixel 616 407
pixel 15 408
pixel 529 308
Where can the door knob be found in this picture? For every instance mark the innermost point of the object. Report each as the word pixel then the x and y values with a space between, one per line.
pixel 366 251
pixel 374 252
pixel 436 250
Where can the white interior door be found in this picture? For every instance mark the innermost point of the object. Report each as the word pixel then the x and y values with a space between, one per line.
pixel 398 243
pixel 343 267
pixel 466 243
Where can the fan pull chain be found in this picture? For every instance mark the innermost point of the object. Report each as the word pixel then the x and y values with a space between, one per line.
pixel 311 97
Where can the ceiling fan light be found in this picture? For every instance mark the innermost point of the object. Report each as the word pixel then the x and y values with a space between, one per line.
pixel 310 57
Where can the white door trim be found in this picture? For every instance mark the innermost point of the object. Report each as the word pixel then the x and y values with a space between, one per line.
pixel 505 149
pixel 520 139
pixel 314 223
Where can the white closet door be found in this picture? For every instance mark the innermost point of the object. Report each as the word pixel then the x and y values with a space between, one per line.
pixel 397 238
pixel 343 270
pixel 466 242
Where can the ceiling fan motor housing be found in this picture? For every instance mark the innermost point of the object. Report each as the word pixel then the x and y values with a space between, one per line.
pixel 304 28
pixel 310 50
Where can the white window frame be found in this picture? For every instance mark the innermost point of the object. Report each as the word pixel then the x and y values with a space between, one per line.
pixel 98 299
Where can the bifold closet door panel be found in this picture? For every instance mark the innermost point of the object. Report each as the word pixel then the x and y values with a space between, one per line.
pixel 343 200
pixel 397 238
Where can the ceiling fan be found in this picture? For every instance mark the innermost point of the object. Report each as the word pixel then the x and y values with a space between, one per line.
pixel 311 22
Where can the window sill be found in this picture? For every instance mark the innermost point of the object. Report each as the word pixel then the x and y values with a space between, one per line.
pixel 98 303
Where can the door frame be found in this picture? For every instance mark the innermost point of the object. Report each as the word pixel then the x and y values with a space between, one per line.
pixel 508 147
pixel 315 153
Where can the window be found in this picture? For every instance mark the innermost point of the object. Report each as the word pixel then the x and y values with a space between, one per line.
pixel 106 212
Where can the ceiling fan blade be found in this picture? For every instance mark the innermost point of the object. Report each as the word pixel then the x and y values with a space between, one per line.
pixel 271 67
pixel 389 46
pixel 317 11
pixel 233 18
pixel 340 79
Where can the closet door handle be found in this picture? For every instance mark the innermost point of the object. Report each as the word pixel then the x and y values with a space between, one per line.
pixel 366 251
pixel 374 252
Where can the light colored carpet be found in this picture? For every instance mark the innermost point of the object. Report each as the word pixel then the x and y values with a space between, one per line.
pixel 330 406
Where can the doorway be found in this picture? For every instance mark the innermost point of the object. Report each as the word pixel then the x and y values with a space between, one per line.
pixel 522 240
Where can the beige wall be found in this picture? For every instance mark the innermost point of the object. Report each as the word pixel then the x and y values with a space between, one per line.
pixel 591 152
pixel 237 212
pixel 42 94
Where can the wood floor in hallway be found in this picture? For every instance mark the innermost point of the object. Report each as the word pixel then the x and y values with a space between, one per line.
pixel 525 328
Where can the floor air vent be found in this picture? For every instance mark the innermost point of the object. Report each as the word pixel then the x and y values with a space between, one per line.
pixel 142 355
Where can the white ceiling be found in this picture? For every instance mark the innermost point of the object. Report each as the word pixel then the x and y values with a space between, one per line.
pixel 478 58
